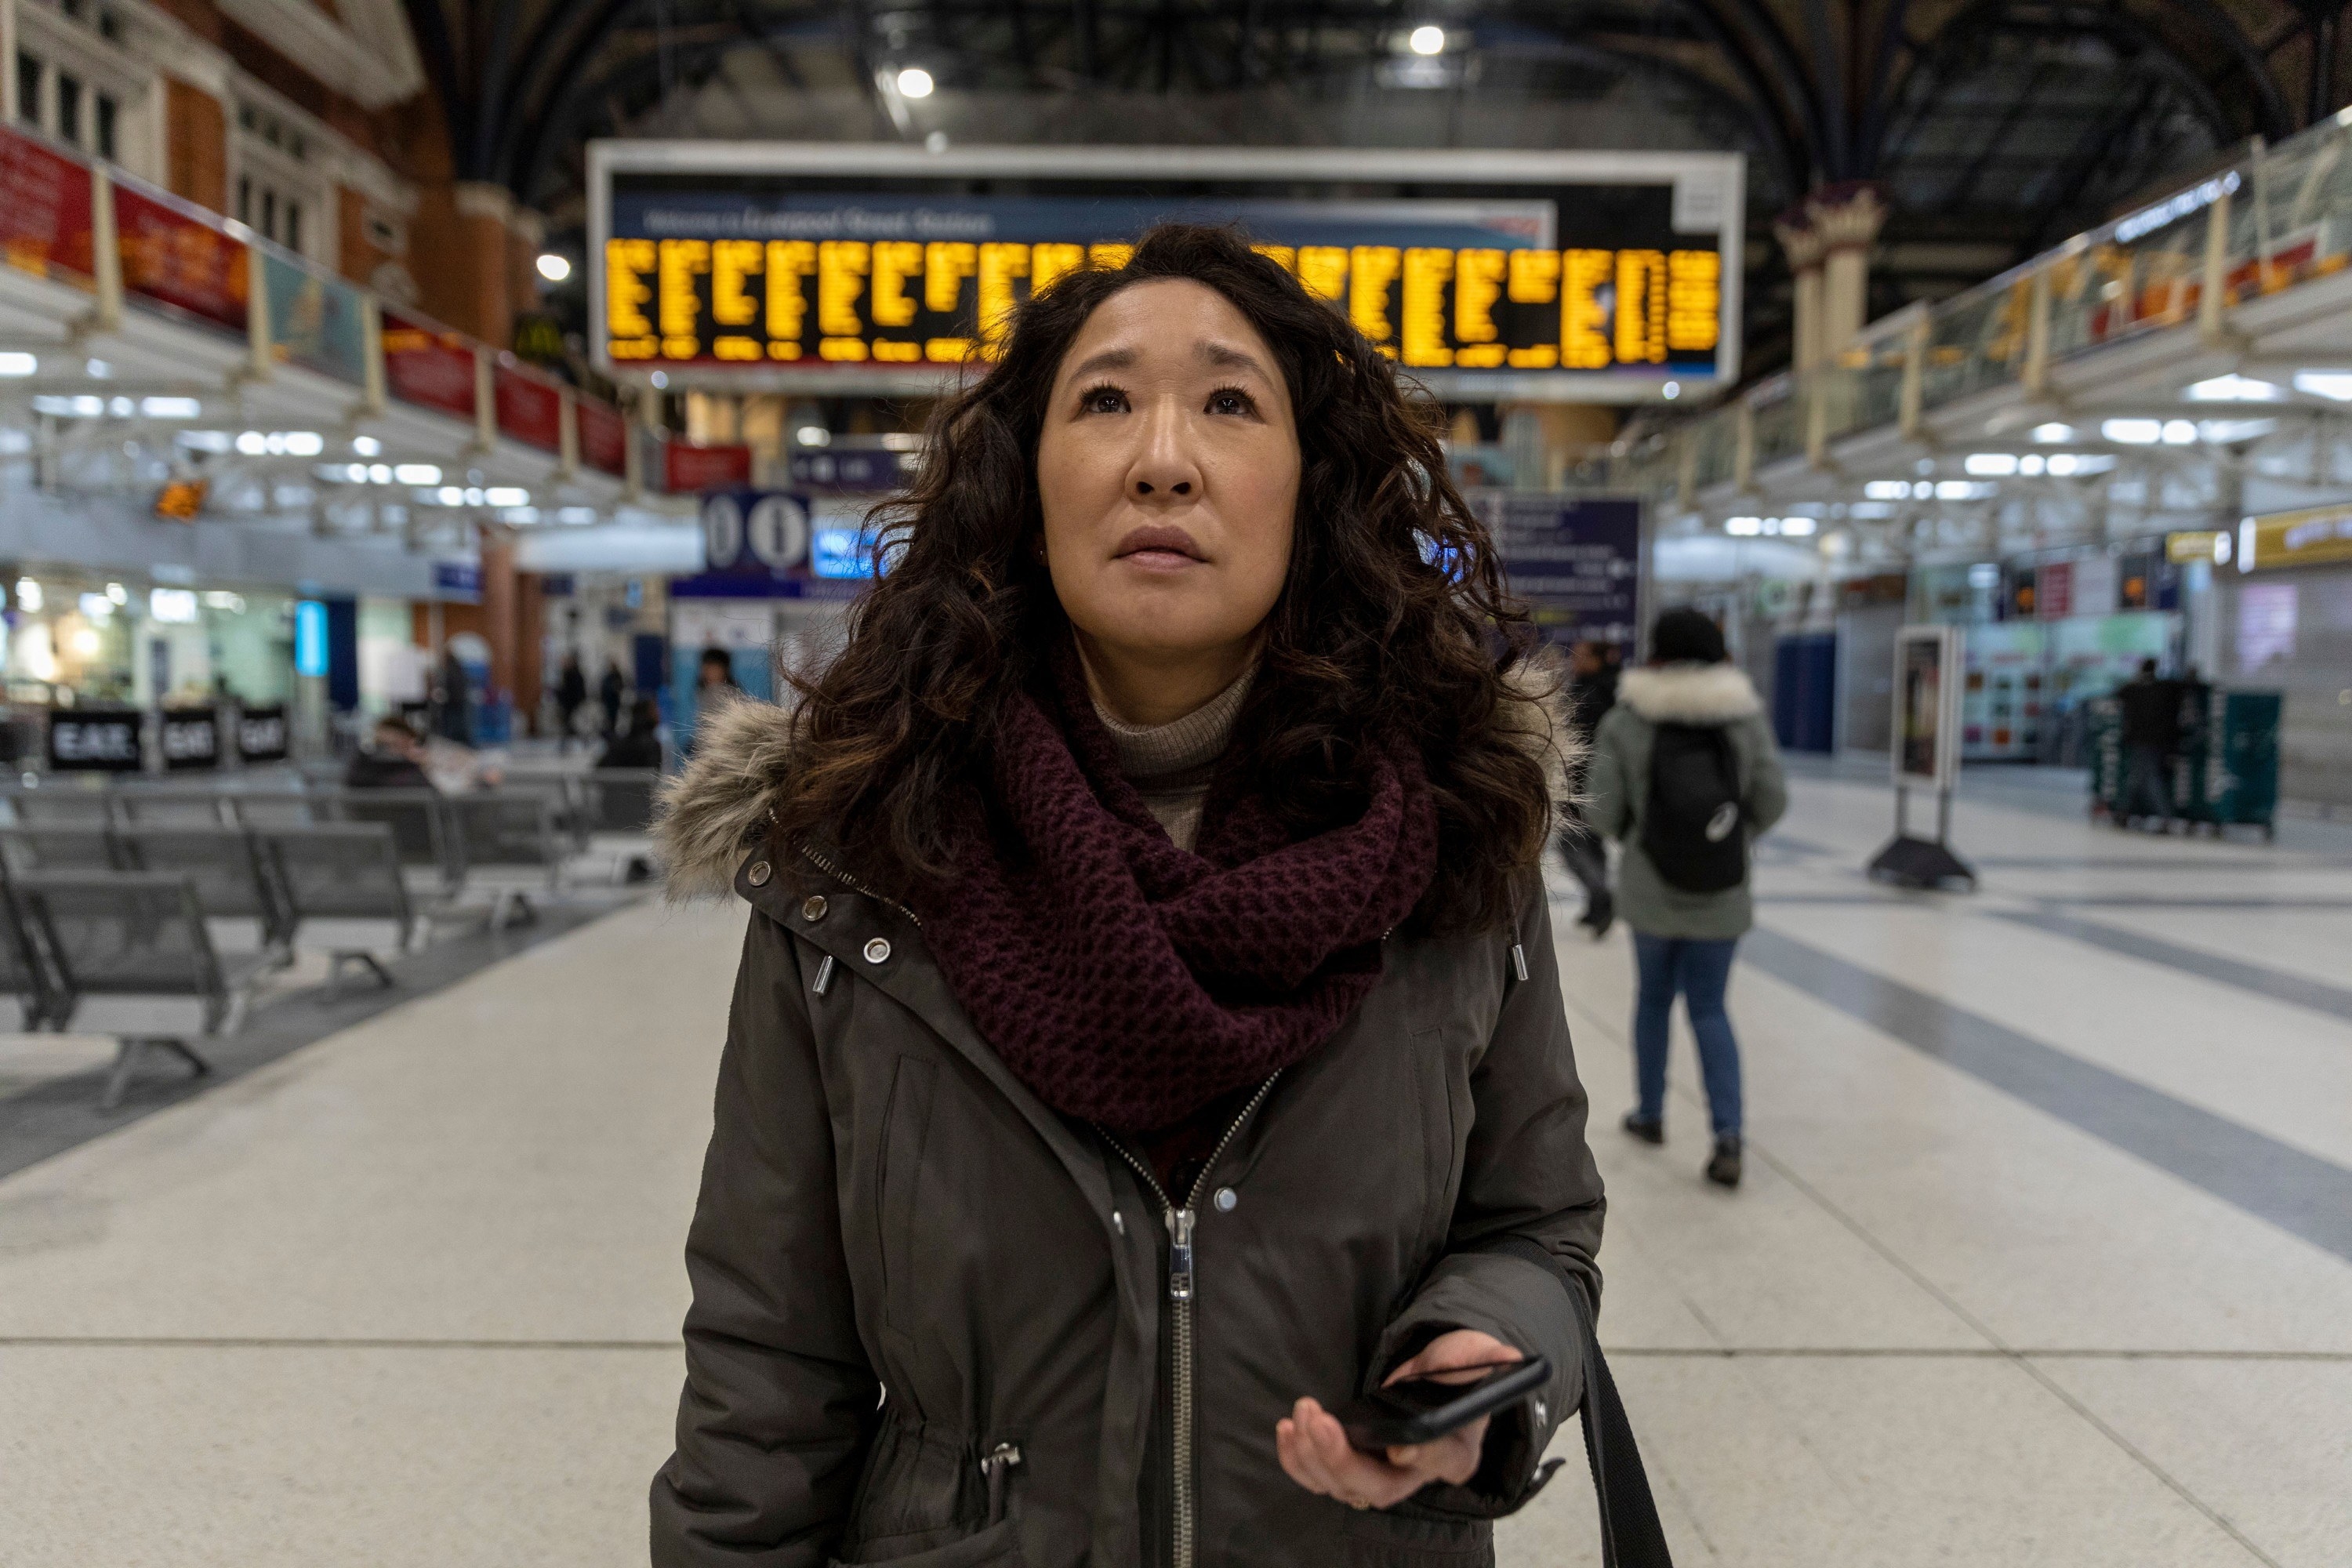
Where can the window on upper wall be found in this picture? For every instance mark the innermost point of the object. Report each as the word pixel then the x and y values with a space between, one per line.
pixel 277 195
pixel 59 100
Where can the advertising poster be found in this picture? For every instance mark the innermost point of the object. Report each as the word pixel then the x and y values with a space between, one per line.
pixel 180 260
pixel 1927 685
pixel 604 436
pixel 530 410
pixel 426 365
pixel 45 216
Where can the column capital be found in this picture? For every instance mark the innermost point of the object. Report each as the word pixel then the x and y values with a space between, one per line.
pixel 1799 241
pixel 1847 215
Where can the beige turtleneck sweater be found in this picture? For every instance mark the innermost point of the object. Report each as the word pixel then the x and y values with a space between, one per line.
pixel 1170 764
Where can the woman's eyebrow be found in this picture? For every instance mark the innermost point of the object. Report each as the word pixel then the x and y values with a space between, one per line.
pixel 1224 356
pixel 1108 359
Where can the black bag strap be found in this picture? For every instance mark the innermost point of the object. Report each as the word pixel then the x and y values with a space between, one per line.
pixel 1630 1536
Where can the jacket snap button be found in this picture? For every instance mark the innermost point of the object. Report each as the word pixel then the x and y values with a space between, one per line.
pixel 812 907
pixel 1226 1199
pixel 760 874
pixel 877 949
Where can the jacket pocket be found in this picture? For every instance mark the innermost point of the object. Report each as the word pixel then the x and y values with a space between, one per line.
pixel 906 1128
pixel 1390 1540
pixel 998 1546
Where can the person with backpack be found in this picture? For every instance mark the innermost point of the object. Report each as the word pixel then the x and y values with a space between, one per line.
pixel 1684 772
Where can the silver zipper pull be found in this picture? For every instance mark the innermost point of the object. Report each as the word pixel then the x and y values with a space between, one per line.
pixel 1519 960
pixel 1179 1255
pixel 823 975
pixel 992 1469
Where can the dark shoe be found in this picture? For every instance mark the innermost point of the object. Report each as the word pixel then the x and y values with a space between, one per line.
pixel 1723 1167
pixel 1599 914
pixel 1647 1132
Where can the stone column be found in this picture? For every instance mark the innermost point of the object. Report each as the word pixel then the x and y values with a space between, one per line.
pixel 1802 248
pixel 1846 218
pixel 484 212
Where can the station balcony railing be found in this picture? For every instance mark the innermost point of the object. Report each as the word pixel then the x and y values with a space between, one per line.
pixel 129 246
pixel 2273 220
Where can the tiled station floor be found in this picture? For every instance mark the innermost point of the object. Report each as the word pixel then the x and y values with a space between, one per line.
pixel 2045 1257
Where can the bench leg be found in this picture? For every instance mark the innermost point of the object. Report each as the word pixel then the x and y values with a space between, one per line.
pixel 127 1055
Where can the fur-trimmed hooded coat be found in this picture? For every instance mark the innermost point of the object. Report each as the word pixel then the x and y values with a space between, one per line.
pixel 939 1325
pixel 1617 781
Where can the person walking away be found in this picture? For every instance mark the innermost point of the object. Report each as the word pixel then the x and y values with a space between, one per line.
pixel 609 692
pixel 2150 711
pixel 1592 677
pixel 1684 772
pixel 571 696
pixel 1148 1029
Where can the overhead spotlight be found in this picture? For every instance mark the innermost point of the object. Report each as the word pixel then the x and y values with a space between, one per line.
pixel 914 81
pixel 1426 40
pixel 553 267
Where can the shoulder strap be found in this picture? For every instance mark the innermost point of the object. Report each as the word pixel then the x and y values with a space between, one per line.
pixel 1630 1536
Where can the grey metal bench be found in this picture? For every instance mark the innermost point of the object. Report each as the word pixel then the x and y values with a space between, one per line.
pixel 67 847
pixel 133 960
pixel 244 909
pixel 344 892
pixel 510 841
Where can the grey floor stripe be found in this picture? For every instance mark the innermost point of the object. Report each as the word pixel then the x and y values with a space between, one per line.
pixel 2299 1193
pixel 59 1113
pixel 2260 979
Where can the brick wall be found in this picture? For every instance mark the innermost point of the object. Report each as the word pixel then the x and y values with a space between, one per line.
pixel 196 144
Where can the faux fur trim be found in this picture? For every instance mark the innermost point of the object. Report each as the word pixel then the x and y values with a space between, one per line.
pixel 1689 693
pixel 707 818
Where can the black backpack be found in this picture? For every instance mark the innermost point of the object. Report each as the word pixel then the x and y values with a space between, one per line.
pixel 1693 827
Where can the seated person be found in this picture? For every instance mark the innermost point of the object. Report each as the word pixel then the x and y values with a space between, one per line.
pixel 640 745
pixel 395 761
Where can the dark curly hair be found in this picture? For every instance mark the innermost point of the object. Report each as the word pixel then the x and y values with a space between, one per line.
pixel 1392 620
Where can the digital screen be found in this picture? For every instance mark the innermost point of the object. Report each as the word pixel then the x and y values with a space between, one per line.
pixel 814 283
pixel 846 552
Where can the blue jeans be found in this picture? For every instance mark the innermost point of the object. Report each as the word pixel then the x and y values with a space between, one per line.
pixel 1700 971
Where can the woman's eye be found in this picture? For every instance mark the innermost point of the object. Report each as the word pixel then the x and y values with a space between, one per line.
pixel 1230 403
pixel 1104 400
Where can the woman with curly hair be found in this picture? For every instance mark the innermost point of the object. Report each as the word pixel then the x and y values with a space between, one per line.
pixel 1148 1036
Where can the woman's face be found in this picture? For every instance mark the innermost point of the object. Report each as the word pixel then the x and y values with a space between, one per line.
pixel 1168 473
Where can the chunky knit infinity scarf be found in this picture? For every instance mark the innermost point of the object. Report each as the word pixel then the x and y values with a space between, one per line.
pixel 1128 981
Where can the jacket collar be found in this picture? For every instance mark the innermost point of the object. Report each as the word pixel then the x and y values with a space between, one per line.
pixel 874 942
pixel 1689 693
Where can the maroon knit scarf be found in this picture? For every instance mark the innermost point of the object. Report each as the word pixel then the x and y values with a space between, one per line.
pixel 1128 981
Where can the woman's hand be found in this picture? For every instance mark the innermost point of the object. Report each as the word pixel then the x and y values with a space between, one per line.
pixel 1315 1453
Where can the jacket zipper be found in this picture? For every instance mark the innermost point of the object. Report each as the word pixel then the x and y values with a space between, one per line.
pixel 1180 1293
pixel 854 886
pixel 996 1470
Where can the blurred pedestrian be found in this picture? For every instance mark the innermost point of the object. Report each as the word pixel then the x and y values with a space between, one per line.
pixel 571 696
pixel 1685 772
pixel 1593 674
pixel 641 746
pixel 2150 711
pixel 1148 1028
pixel 609 692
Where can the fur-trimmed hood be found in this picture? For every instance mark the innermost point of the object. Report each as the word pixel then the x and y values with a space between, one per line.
pixel 706 818
pixel 1689 693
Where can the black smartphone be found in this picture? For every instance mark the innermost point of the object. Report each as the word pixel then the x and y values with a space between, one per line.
pixel 1423 1409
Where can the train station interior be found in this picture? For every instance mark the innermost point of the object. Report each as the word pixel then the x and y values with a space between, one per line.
pixel 471 472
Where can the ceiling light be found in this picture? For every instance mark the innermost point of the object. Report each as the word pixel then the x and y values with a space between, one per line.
pixel 2053 434
pixel 2135 432
pixel 2179 433
pixel 366 446
pixel 1744 525
pixel 170 407
pixel 914 83
pixel 28 595
pixel 2030 465
pixel 416 474
pixel 1994 464
pixel 1670 391
pixel 2329 383
pixel 553 267
pixel 1869 508
pixel 14 364
pixel 2234 388
pixel 1799 526
pixel 1426 40
pixel 252 443
pixel 506 496
pixel 1887 489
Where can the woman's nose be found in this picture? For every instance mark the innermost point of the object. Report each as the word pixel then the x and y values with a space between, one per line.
pixel 1164 469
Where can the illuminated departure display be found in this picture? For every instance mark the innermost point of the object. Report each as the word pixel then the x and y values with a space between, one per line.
pixel 755 282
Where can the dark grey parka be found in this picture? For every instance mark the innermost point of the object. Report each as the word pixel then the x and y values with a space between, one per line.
pixel 937 1324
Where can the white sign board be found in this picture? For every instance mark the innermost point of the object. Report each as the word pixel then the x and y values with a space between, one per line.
pixel 1929 673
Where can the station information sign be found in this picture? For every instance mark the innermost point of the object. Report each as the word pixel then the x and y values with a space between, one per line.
pixel 1563 275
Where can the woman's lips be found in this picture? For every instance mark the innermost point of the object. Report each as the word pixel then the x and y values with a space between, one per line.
pixel 1159 547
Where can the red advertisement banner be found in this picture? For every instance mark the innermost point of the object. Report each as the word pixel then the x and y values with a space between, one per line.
pixel 687 470
pixel 530 410
pixel 604 436
pixel 45 215
pixel 170 257
pixel 429 366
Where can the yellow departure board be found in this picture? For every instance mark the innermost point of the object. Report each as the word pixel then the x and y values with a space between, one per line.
pixel 901 302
